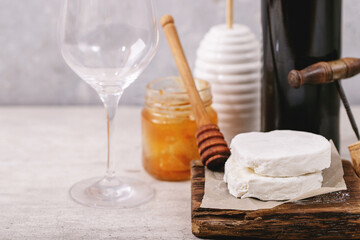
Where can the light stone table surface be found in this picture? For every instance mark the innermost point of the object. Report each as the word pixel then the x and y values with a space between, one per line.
pixel 44 150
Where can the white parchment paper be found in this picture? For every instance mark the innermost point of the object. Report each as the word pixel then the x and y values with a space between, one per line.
pixel 216 193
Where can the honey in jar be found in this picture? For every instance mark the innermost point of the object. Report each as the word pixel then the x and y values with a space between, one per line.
pixel 168 128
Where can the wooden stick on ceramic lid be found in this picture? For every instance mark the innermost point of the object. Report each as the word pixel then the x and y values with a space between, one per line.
pixel 229 13
pixel 212 147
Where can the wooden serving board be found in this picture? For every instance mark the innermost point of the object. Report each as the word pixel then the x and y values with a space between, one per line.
pixel 328 216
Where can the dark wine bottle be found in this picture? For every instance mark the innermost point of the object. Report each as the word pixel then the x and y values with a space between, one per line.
pixel 296 34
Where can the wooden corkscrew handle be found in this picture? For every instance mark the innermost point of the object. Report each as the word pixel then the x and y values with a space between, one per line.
pixel 325 72
pixel 212 147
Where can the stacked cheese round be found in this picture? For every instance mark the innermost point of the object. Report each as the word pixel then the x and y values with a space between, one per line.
pixel 277 165
pixel 230 59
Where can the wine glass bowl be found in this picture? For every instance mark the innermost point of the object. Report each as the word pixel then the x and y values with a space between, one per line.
pixel 108 43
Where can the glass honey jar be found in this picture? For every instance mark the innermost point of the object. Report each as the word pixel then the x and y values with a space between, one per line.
pixel 168 128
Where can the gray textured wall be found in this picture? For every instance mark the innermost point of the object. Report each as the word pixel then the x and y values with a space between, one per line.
pixel 32 70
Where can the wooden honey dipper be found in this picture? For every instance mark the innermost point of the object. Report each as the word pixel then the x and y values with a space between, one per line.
pixel 212 147
pixel 333 71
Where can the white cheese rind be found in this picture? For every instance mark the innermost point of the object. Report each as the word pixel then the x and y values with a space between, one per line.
pixel 282 153
pixel 243 182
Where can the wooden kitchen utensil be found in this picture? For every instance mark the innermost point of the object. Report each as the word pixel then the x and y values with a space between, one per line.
pixel 325 72
pixel 229 13
pixel 333 71
pixel 212 147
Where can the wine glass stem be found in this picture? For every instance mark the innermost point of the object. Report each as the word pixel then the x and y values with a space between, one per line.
pixel 111 104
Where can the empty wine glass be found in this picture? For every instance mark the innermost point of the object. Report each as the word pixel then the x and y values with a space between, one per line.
pixel 108 43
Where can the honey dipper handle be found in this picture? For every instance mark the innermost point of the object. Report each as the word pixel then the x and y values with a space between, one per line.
pixel 325 72
pixel 167 22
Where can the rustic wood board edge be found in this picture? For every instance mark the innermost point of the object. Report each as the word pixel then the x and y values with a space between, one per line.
pixel 311 218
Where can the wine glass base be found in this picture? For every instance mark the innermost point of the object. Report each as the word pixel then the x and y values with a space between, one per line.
pixel 111 192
